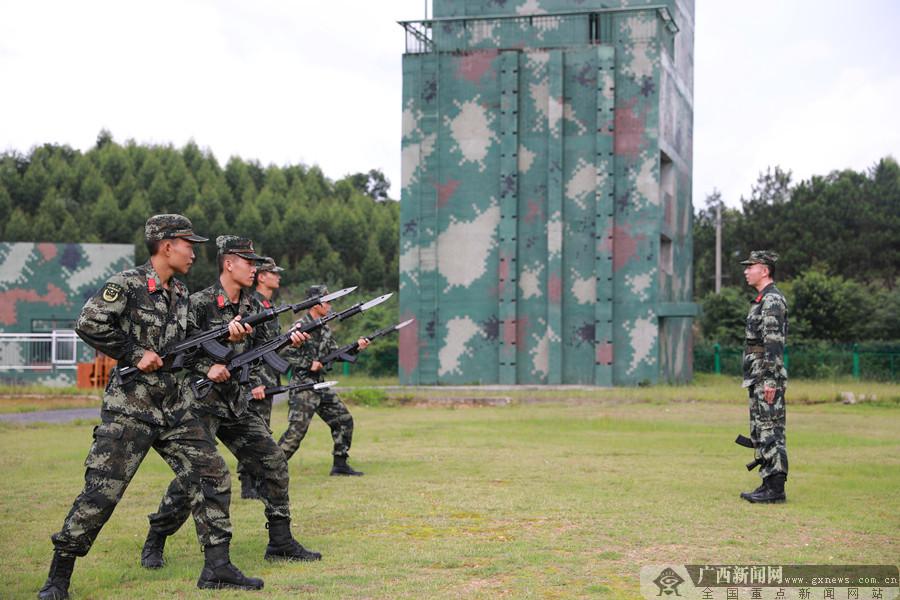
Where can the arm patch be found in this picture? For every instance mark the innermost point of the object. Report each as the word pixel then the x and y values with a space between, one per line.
pixel 111 292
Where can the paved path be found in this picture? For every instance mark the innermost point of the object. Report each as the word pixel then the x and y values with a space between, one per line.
pixel 65 415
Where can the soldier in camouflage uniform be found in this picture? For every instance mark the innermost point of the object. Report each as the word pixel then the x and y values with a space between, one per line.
pixel 766 377
pixel 133 318
pixel 268 280
pixel 304 404
pixel 226 414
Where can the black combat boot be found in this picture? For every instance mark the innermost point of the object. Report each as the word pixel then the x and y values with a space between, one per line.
pixel 248 488
pixel 341 467
pixel 218 572
pixel 57 585
pixel 746 495
pixel 152 553
pixel 283 546
pixel 773 492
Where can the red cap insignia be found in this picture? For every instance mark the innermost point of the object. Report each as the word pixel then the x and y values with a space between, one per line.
pixel 151 285
pixel 220 300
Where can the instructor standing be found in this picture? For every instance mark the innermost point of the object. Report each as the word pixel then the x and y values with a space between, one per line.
pixel 766 377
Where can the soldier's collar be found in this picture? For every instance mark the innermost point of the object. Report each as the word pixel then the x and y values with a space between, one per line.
pixel 759 296
pixel 222 300
pixel 267 303
pixel 155 283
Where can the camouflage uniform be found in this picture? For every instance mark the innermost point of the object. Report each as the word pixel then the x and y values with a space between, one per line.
pixel 303 405
pixel 267 376
pixel 763 366
pixel 130 314
pixel 226 413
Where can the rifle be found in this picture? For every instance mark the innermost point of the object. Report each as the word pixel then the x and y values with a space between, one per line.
pixel 349 352
pixel 742 440
pixel 267 351
pixel 208 341
pixel 309 385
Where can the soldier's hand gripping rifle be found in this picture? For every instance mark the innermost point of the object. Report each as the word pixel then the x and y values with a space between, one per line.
pixel 349 353
pixel 268 351
pixel 742 440
pixel 208 341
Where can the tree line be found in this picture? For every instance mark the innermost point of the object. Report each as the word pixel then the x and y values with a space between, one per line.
pixel 838 237
pixel 340 233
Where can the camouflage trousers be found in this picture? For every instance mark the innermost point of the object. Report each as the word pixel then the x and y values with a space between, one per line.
pixel 251 442
pixel 120 444
pixel 325 403
pixel 264 409
pixel 767 424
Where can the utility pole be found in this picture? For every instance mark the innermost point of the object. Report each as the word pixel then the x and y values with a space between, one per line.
pixel 718 247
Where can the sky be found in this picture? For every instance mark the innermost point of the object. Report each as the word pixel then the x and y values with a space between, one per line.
pixel 812 86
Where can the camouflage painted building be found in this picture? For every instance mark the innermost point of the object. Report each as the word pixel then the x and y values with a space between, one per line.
pixel 546 211
pixel 42 290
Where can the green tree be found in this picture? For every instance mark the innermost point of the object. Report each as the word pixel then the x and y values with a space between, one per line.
pixel 249 223
pixel 160 195
pixel 297 233
pixel 150 169
pixel 114 163
pixel 824 307
pixel 91 187
pixel 35 185
pixel 373 184
pixel 136 215
pixel 724 316
pixel 18 228
pixel 372 267
pixel 106 220
pixel 6 207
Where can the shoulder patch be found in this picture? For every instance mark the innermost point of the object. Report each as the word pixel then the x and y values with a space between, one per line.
pixel 112 291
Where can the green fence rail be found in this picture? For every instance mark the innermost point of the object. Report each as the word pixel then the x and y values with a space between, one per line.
pixel 813 362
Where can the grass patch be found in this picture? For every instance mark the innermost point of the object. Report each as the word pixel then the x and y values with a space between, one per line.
pixel 528 500
pixel 365 396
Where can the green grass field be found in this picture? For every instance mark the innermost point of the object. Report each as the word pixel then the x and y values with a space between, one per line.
pixel 537 499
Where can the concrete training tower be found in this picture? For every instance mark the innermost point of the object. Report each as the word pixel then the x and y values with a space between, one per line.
pixel 546 213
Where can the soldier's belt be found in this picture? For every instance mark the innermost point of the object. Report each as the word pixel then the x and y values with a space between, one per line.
pixel 754 349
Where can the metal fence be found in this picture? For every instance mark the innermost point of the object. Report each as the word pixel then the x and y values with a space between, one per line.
pixel 813 362
pixel 60 349
pixel 473 32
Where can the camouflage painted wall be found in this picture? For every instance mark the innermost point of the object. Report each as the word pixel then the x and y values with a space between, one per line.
pixel 545 194
pixel 42 288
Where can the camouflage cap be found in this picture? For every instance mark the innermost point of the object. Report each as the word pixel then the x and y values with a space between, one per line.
pixel 268 264
pixel 232 244
pixel 170 226
pixel 766 257
pixel 316 290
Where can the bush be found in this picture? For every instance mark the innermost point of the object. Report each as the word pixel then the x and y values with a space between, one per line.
pixel 366 397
